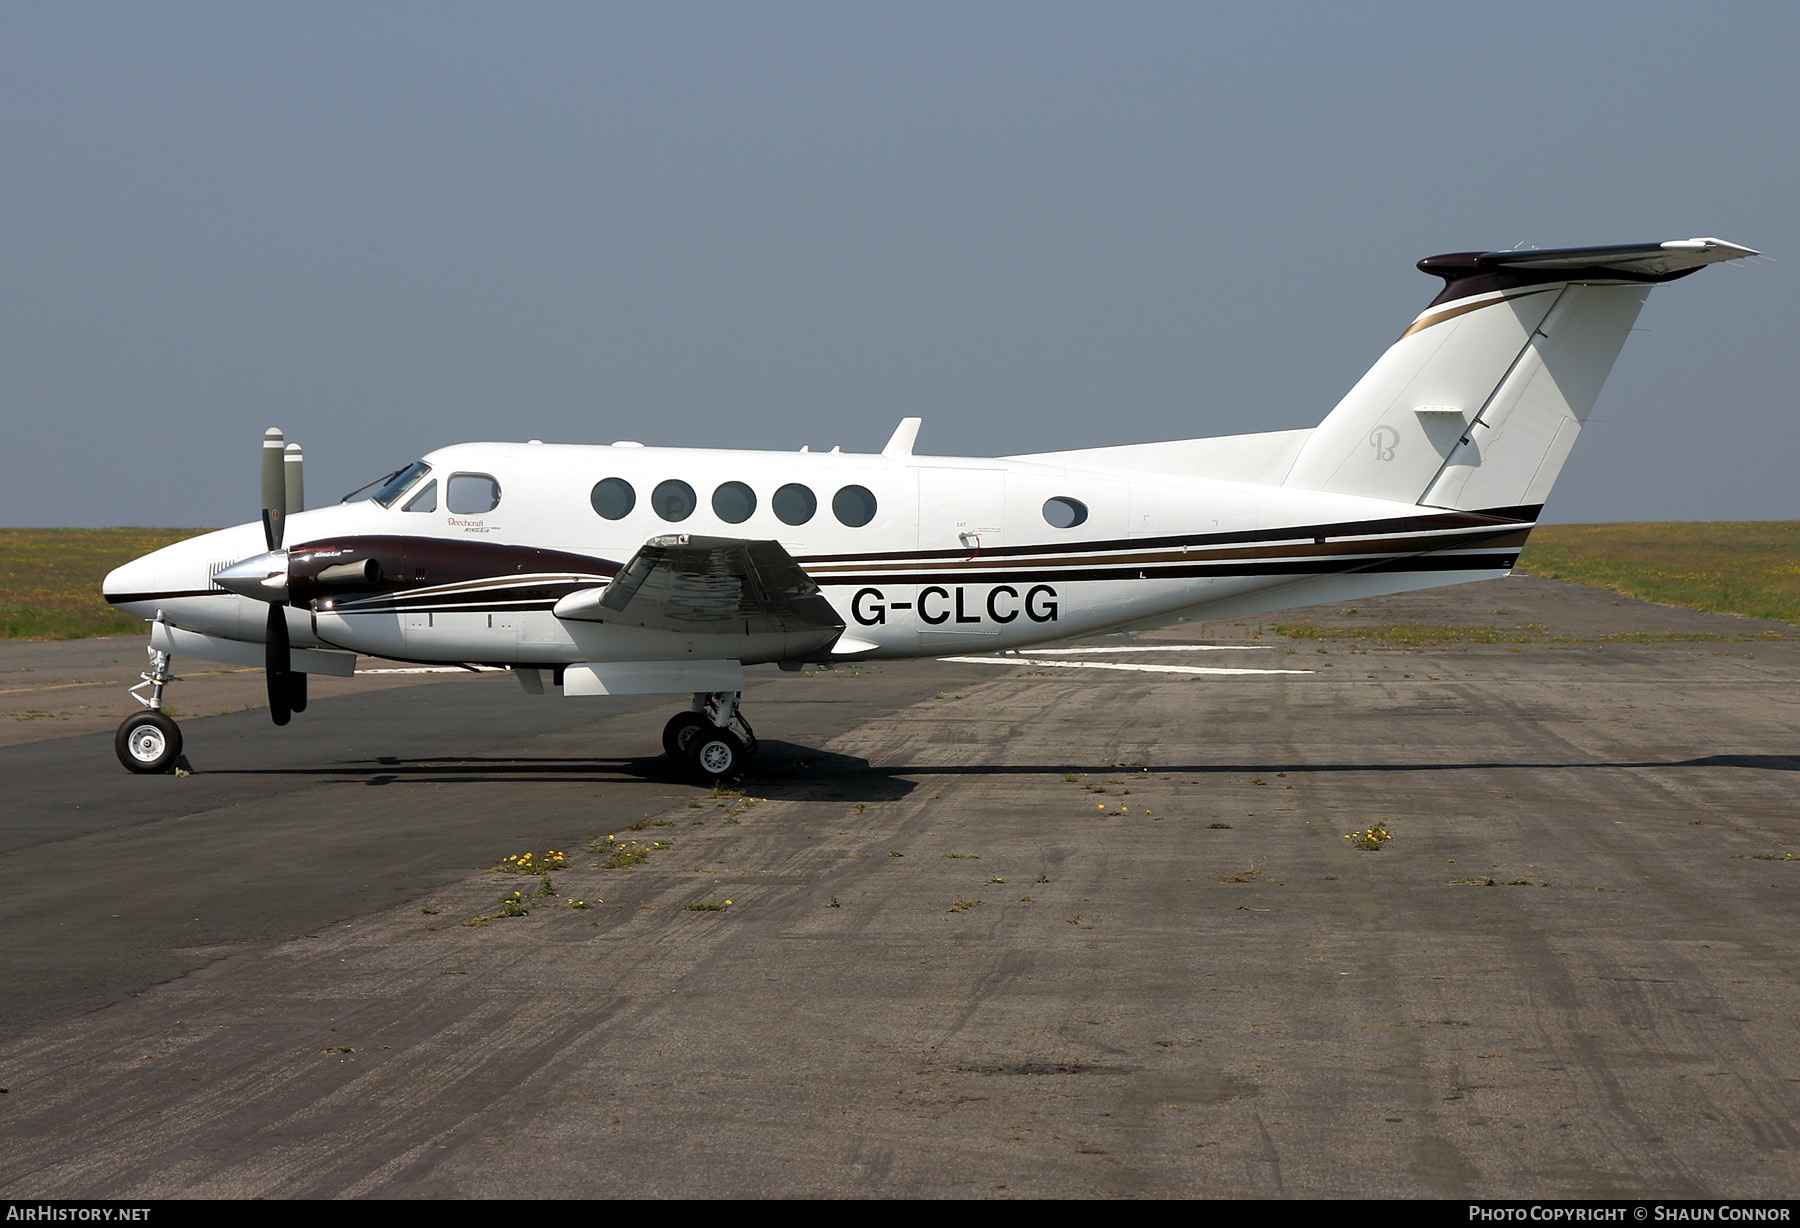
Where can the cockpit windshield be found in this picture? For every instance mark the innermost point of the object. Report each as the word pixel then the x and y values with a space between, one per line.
pixel 396 484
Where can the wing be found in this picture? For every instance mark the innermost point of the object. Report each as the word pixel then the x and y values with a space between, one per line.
pixel 709 585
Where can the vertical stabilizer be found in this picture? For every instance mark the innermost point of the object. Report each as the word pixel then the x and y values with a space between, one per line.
pixel 1516 445
pixel 1478 403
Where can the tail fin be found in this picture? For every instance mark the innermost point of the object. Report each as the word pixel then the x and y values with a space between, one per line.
pixel 1478 403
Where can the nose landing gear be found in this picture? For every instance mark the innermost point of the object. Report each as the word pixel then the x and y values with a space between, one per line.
pixel 149 742
pixel 712 739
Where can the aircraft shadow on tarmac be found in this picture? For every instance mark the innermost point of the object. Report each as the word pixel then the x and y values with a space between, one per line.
pixel 782 765
pixel 1776 763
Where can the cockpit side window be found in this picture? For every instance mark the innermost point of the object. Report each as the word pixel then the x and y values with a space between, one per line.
pixel 400 483
pixel 425 500
pixel 470 494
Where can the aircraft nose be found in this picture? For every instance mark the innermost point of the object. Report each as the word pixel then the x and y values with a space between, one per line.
pixel 135 581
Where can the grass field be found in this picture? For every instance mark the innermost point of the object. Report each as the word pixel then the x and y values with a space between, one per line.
pixel 1745 567
pixel 50 578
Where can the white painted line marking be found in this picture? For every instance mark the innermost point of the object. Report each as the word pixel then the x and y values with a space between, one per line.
pixel 1147 669
pixel 437 669
pixel 1070 652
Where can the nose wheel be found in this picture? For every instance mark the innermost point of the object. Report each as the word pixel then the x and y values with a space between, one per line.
pixel 148 743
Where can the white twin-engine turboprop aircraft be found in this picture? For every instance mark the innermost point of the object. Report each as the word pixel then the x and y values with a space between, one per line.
pixel 636 570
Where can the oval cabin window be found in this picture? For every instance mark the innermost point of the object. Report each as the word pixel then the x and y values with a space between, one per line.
pixel 794 504
pixel 613 498
pixel 854 505
pixel 733 502
pixel 1063 512
pixel 673 500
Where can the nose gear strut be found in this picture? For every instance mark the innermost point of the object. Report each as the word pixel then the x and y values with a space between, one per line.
pixel 149 742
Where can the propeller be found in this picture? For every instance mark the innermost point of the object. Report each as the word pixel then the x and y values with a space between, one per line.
pixel 278 658
pixel 265 576
pixel 277 653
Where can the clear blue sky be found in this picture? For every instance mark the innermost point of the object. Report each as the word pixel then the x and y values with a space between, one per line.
pixel 390 227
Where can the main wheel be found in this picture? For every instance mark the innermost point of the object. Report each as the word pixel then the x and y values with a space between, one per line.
pixel 714 754
pixel 147 743
pixel 680 731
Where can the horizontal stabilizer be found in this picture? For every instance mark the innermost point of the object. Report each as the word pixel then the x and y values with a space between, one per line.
pixel 1660 260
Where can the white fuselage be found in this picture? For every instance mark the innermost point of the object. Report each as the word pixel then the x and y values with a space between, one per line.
pixel 959 553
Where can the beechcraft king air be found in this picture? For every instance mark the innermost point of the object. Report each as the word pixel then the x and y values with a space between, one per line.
pixel 624 569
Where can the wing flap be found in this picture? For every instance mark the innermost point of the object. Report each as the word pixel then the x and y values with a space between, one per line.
pixel 708 585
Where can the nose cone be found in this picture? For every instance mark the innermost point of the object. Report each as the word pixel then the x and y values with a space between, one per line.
pixel 134 582
pixel 177 580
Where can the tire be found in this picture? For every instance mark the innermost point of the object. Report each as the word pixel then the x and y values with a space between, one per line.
pixel 148 743
pixel 680 731
pixel 713 754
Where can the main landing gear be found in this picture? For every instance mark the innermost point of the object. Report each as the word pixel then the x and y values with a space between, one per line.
pixel 149 742
pixel 712 739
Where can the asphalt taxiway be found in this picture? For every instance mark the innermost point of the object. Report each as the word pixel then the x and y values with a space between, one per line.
pixel 1029 928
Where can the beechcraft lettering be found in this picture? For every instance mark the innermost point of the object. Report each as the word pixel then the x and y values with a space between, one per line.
pixel 625 569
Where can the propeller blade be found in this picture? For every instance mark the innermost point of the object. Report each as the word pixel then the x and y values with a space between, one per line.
pixel 274 486
pixel 277 662
pixel 293 481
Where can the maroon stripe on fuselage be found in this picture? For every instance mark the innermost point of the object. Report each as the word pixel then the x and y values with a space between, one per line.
pixel 1509 517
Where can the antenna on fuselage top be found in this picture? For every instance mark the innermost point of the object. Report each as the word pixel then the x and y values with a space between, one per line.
pixel 900 443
